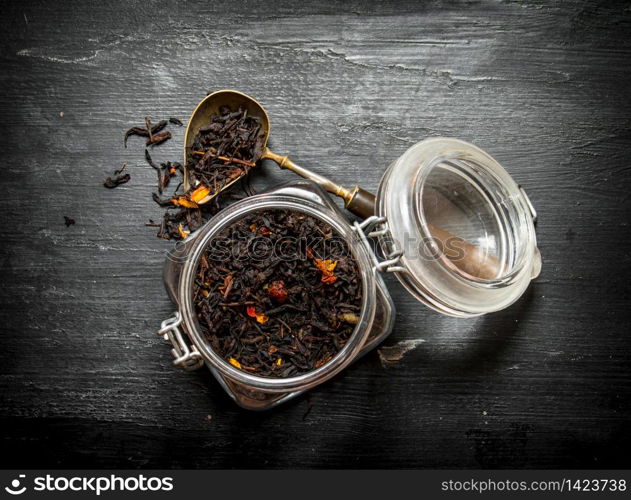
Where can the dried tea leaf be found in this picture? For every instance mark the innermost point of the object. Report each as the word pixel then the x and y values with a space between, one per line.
pixel 112 182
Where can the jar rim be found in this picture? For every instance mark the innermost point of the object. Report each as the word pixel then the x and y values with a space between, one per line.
pixel 438 282
pixel 357 338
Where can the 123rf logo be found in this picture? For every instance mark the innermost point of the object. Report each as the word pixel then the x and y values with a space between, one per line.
pixel 96 485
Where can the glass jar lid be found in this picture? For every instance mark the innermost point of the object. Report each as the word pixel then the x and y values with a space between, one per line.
pixel 464 228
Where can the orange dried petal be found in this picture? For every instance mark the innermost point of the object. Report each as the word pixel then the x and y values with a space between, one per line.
pixel 183 201
pixel 200 195
pixel 326 267
pixel 183 232
pixel 260 317
pixel 234 363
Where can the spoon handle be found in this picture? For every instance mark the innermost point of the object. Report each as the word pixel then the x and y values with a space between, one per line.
pixel 327 184
pixel 361 203
pixel 357 200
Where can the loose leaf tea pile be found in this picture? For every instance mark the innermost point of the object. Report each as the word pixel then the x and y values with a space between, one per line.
pixel 278 293
pixel 222 152
pixel 225 149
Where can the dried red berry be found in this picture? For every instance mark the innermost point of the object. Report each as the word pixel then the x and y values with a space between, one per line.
pixel 278 291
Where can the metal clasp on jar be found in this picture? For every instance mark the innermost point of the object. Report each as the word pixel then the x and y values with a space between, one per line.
pixel 187 357
pixel 376 227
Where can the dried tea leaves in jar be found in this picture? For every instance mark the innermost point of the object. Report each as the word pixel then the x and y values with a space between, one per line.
pixel 278 293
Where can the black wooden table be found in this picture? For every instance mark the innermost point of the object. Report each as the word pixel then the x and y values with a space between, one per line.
pixel 84 380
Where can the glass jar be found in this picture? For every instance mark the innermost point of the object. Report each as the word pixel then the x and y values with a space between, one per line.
pixel 451 224
pixel 251 391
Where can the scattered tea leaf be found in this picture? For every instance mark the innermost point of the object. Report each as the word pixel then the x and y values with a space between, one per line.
pixel 112 182
pixel 120 169
pixel 144 132
pixel 158 139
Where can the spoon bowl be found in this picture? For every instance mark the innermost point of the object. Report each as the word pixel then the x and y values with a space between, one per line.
pixel 210 105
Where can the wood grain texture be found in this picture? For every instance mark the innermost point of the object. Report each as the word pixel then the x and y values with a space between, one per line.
pixel 544 88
